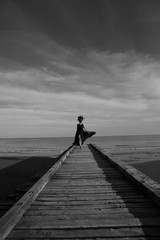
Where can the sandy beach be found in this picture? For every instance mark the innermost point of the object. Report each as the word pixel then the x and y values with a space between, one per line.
pixel 145 159
pixel 21 170
pixel 151 169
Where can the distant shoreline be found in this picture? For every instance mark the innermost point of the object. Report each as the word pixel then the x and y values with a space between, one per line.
pixel 128 135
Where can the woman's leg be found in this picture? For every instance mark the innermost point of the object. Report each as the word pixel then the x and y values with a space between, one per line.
pixel 80 141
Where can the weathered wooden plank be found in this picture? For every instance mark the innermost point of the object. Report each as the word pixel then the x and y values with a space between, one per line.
pixel 9 220
pixel 92 194
pixel 109 203
pixel 89 183
pixel 150 187
pixel 91 215
pixel 86 238
pixel 130 206
pixel 70 217
pixel 89 190
pixel 90 170
pixel 91 187
pixel 88 197
pixel 105 182
pixel 84 171
pixel 47 222
pixel 136 211
pixel 95 187
pixel 83 233
pixel 117 238
pixel 89 201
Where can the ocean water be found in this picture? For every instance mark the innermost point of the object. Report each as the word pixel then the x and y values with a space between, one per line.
pixel 55 146
pixel 132 142
pixel 142 152
pixel 34 146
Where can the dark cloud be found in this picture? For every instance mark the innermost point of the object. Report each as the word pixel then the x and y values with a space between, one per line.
pixel 91 24
pixel 20 52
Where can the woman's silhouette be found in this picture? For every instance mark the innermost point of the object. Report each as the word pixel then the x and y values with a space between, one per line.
pixel 81 134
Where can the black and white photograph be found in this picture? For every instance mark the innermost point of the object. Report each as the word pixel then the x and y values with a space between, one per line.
pixel 79 119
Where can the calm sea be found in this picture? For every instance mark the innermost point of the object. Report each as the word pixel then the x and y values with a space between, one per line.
pixel 55 146
pixel 141 151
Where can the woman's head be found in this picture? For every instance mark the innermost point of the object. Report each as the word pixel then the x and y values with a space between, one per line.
pixel 80 118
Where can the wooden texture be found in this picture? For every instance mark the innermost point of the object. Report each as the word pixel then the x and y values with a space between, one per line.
pixel 89 198
pixel 143 182
pixel 9 220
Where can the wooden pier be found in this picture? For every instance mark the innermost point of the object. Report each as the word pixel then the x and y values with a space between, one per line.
pixel 86 195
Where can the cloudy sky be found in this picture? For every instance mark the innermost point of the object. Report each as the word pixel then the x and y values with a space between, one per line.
pixel 63 58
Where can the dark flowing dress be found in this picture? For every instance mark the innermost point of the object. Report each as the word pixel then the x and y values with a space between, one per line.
pixel 82 135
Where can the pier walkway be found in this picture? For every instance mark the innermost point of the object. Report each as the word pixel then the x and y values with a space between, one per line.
pixel 90 197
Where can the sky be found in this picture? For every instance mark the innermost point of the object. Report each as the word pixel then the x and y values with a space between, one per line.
pixel 64 58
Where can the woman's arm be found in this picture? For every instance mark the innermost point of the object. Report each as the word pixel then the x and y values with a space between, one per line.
pixel 84 129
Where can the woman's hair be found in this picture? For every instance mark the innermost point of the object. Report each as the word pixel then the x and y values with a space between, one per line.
pixel 80 118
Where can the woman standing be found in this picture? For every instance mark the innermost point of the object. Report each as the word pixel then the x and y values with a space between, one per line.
pixel 81 134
